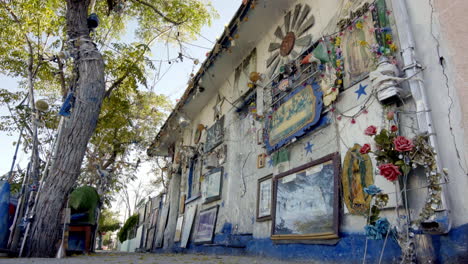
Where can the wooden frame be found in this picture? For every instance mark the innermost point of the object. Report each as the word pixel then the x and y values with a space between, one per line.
pixel 313 168
pixel 261 159
pixel 212 193
pixel 261 218
pixel 209 227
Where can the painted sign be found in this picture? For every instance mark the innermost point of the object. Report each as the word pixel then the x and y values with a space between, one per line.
pixel 214 135
pixel 299 112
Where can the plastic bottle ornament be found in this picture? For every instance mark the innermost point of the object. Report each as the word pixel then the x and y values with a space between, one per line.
pixel 93 21
pixel 42 105
pixel 384 80
pixel 183 121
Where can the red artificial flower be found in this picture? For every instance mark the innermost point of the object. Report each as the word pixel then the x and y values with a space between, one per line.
pixel 403 144
pixel 365 111
pixel 389 171
pixel 390 115
pixel 339 118
pixel 353 121
pixel 365 149
pixel 394 128
pixel 370 131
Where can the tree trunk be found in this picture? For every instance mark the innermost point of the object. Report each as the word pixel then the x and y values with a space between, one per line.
pixel 89 90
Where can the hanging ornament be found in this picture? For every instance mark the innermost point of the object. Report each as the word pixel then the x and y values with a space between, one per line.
pixel 93 21
pixel 183 120
pixel 196 62
pixel 42 105
pixel 254 77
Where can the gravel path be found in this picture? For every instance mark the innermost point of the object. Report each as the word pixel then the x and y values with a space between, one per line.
pixel 136 258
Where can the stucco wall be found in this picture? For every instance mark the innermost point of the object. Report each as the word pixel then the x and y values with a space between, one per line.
pixel 239 191
pixel 452 18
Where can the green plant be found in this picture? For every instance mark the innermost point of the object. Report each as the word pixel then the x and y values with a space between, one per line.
pixel 131 222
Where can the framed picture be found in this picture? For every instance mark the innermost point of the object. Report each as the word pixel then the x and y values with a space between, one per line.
pixel 206 225
pixel 264 195
pixel 298 113
pixel 178 232
pixel 306 201
pixel 187 226
pixel 261 159
pixel 214 135
pixel 212 185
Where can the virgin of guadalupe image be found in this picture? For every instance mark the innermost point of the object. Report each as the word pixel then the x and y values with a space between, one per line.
pixel 358 59
pixel 357 174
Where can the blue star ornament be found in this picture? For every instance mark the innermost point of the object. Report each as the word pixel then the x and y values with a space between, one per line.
pixel 270 162
pixel 361 90
pixel 308 148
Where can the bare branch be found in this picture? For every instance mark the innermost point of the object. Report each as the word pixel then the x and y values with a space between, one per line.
pixel 159 12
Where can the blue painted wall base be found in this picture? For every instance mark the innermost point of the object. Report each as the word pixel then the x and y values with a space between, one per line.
pixel 451 248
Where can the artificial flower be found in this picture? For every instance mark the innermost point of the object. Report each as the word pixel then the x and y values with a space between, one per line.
pixel 370 131
pixel 359 25
pixel 379 230
pixel 402 144
pixel 390 115
pixel 372 190
pixel 365 149
pixel 394 128
pixel 389 171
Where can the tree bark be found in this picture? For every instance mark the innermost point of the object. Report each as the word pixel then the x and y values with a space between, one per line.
pixel 89 90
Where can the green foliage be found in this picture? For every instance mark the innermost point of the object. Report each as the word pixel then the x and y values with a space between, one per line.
pixel 33 35
pixel 131 223
pixel 108 221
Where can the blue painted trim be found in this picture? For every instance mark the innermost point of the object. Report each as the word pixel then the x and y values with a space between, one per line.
pixel 453 247
pixel 317 122
pixel 450 248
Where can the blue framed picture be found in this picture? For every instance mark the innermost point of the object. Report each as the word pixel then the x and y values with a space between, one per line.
pixel 298 113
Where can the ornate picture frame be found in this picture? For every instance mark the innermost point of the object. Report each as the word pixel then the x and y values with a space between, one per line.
pixel 314 212
pixel 206 226
pixel 264 198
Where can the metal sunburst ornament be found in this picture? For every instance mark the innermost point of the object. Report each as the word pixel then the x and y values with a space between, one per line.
pixel 293 37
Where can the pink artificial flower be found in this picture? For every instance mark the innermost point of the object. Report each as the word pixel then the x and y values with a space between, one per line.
pixel 365 149
pixel 370 131
pixel 402 144
pixel 389 171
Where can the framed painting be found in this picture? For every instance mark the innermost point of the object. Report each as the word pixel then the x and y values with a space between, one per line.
pixel 357 55
pixel 214 135
pixel 187 226
pixel 212 185
pixel 206 225
pixel 264 195
pixel 178 232
pixel 298 113
pixel 306 201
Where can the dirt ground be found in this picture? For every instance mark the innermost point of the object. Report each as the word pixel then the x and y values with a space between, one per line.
pixel 137 258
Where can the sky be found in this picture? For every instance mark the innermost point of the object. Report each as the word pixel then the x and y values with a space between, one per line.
pixel 172 80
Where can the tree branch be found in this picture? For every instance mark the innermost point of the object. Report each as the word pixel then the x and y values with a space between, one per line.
pixel 159 12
